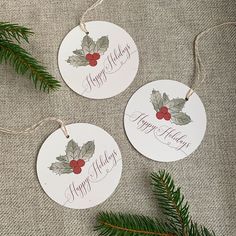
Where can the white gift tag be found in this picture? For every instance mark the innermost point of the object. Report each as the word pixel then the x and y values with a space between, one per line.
pixel 161 125
pixel 81 171
pixel 101 64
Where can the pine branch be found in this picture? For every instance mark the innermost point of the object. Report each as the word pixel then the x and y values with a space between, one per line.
pixel 131 225
pixel 24 63
pixel 10 31
pixel 195 230
pixel 171 201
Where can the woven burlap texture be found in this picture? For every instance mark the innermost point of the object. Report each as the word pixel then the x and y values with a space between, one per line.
pixel 163 31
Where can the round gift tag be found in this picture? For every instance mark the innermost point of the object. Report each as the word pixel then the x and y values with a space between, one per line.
pixel 81 171
pixel 101 64
pixel 161 124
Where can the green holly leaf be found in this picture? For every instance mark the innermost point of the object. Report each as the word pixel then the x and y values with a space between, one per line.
pixel 156 100
pixel 79 52
pixel 180 118
pixel 77 60
pixel 102 45
pixel 176 105
pixel 165 99
pixel 88 45
pixel 61 168
pixel 62 158
pixel 72 151
pixel 87 150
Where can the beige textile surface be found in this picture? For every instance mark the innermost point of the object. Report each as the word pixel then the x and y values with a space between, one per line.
pixel 164 31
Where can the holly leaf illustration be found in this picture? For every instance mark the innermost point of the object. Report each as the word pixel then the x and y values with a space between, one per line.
pixel 77 60
pixel 62 158
pixel 88 45
pixel 180 118
pixel 102 45
pixel 61 168
pixel 156 100
pixel 165 99
pixel 176 105
pixel 79 52
pixel 87 150
pixel 72 151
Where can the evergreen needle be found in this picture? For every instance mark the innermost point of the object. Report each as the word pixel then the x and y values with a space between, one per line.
pixel 171 201
pixel 21 60
pixel 14 31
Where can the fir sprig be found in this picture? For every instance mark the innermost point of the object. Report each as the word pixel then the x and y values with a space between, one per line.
pixel 20 59
pixel 171 201
pixel 196 230
pixel 118 224
pixel 10 31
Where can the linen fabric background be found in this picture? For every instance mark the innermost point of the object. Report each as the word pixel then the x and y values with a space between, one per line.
pixel 164 31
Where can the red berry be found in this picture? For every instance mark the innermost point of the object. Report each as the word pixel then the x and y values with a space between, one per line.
pixel 80 163
pixel 96 56
pixel 92 62
pixel 77 170
pixel 89 56
pixel 159 115
pixel 164 110
pixel 167 116
pixel 73 163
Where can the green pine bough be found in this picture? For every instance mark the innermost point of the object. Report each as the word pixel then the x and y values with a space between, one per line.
pixel 11 36
pixel 177 218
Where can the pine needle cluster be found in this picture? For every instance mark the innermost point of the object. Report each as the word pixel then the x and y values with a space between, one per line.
pixel 177 218
pixel 11 36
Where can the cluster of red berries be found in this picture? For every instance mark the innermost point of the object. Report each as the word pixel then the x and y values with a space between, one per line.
pixel 92 58
pixel 76 165
pixel 163 113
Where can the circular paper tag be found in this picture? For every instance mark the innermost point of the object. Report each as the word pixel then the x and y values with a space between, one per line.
pixel 101 64
pixel 161 125
pixel 81 171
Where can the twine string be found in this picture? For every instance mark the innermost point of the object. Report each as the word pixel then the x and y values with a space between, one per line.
pixel 200 72
pixel 82 19
pixel 36 127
